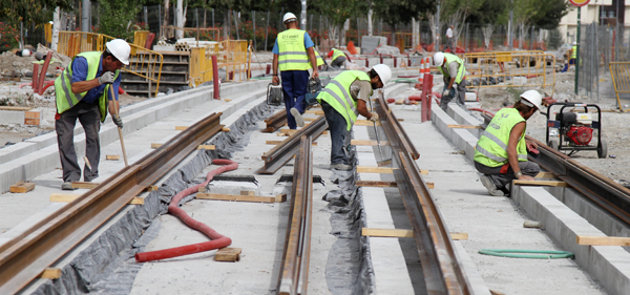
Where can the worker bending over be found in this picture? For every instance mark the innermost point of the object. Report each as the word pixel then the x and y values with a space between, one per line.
pixel 293 55
pixel 342 100
pixel 501 152
pixel 454 75
pixel 338 58
pixel 82 92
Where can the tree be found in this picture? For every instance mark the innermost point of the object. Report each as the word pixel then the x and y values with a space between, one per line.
pixel 117 17
pixel 544 14
pixel 455 13
pixel 487 21
pixel 338 13
pixel 31 11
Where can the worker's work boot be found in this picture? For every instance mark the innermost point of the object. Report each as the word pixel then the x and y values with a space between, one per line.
pixel 341 166
pixel 67 186
pixel 298 117
pixel 492 188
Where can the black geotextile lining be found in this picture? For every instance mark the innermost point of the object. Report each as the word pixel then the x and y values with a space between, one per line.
pixel 108 266
pixel 349 267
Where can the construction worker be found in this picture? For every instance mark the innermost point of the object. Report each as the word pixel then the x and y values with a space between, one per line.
pixel 342 100
pixel 83 93
pixel 449 40
pixel 293 56
pixel 573 55
pixel 454 76
pixel 338 58
pixel 501 152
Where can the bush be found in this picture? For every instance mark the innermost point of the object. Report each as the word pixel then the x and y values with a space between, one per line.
pixel 116 16
pixel 8 37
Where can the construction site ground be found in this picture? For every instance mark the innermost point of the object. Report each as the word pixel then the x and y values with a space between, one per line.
pixel 489 221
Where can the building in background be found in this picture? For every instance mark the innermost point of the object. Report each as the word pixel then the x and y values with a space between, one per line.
pixel 603 12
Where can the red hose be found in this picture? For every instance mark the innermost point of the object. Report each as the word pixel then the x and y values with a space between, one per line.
pixel 218 240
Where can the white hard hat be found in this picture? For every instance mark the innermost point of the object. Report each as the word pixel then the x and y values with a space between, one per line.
pixel 384 72
pixel 289 17
pixel 533 97
pixel 26 52
pixel 120 49
pixel 438 59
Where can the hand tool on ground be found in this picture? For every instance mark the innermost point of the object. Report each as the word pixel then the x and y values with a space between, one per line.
pixel 120 135
pixel 380 152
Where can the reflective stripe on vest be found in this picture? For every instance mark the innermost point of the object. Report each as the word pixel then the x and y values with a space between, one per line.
pixel 337 95
pixel 291 51
pixel 66 99
pixel 491 149
pixel 337 53
pixel 461 70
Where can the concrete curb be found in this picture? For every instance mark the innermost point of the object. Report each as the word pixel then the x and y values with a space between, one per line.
pixel 20 163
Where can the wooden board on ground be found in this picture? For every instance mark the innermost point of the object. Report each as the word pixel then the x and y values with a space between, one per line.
pixel 463 126
pixel 366 123
pixel 286 132
pixel 22 187
pixel 366 142
pixel 242 198
pixel 15 108
pixel 383 170
pixel 112 157
pixel 401 233
pixel 540 182
pixel 67 198
pixel 545 174
pixel 376 183
pixel 228 254
pixel 84 185
pixel 315 112
pixel 603 241
pixel 51 273
pixel 181 127
pixel 200 147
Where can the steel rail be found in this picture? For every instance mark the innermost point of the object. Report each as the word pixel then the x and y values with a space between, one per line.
pixel 603 191
pixel 283 152
pixel 27 255
pixel 440 266
pixel 275 122
pixel 295 263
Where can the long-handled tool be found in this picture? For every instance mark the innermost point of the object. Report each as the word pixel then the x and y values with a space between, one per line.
pixel 120 135
pixel 378 142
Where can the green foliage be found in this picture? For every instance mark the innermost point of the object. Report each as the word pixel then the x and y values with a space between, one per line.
pixel 337 12
pixel 8 37
pixel 116 16
pixel 30 11
pixel 402 11
pixel 555 39
pixel 494 12
pixel 545 14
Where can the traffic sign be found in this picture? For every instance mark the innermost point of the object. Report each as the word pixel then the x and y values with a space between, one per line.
pixel 579 3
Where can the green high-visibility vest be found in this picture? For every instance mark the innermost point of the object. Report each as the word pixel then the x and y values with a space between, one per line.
pixel 66 99
pixel 320 60
pixel 292 54
pixel 574 52
pixel 491 148
pixel 461 70
pixel 337 95
pixel 337 53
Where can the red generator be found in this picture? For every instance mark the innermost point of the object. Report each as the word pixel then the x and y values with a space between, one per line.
pixel 574 127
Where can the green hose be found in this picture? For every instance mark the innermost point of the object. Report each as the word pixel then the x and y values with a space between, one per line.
pixel 533 254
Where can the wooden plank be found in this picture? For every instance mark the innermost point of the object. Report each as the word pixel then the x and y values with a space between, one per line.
pixel 84 185
pixel 273 142
pixel 228 254
pixel 237 198
pixel 15 108
pixel 137 201
pixel 376 183
pixel 430 185
pixel 200 147
pixel 227 99
pixel 463 126
pixel 401 233
pixel 150 188
pixel 181 127
pixel 51 273
pixel 156 145
pixel 315 112
pixel 286 132
pixel 225 129
pixel 540 182
pixel 365 142
pixel 112 157
pixel 603 241
pixel 386 233
pixel 22 187
pixel 366 123
pixel 67 198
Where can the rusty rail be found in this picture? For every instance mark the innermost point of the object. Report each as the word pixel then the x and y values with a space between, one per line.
pixel 441 269
pixel 276 121
pixel 295 263
pixel 27 255
pixel 282 153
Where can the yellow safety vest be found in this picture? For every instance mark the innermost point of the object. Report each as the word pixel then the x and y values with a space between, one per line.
pixel 574 52
pixel 292 54
pixel 337 95
pixel 66 99
pixel 491 148
pixel 337 53
pixel 319 59
pixel 461 70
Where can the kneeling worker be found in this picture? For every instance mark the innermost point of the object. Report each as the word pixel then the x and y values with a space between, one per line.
pixel 342 100
pixel 501 152
pixel 83 93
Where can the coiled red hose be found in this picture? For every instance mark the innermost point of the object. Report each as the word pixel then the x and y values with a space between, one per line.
pixel 217 240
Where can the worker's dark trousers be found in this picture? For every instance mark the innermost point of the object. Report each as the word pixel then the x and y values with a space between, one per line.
pixel 503 179
pixel 461 96
pixel 294 87
pixel 339 135
pixel 90 118
pixel 338 62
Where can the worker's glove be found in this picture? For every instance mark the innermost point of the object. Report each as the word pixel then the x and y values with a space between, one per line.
pixel 117 120
pixel 374 117
pixel 106 78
